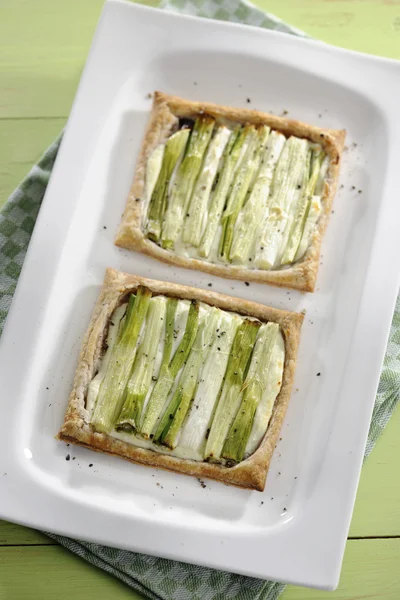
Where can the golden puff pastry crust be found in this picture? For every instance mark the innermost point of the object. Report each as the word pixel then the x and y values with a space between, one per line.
pixel 250 473
pixel 165 114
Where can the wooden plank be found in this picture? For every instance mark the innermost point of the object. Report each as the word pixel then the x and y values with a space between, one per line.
pixel 370 570
pixel 22 142
pixel 40 572
pixel 370 26
pixel 41 60
pixel 13 535
pixel 377 508
pixel 37 572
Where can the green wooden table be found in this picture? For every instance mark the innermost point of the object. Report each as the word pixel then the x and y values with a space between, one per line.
pixel 43 45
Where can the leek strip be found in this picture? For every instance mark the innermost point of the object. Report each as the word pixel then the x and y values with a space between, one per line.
pixel 239 432
pixel 113 330
pixel 245 233
pixel 197 211
pixel 110 397
pixel 312 218
pixel 185 180
pixel 172 304
pixel 196 427
pixel 286 186
pixel 167 377
pixel 303 209
pixel 139 383
pixel 270 393
pixel 243 177
pixel 174 148
pixel 232 156
pixel 189 378
pixel 153 169
pixel 230 393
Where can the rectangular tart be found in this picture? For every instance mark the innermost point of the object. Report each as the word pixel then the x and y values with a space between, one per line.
pixel 183 379
pixel 233 192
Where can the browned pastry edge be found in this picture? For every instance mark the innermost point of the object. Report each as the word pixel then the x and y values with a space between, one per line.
pixel 163 119
pixel 252 472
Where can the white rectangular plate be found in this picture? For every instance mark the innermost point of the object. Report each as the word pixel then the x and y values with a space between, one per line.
pixel 296 530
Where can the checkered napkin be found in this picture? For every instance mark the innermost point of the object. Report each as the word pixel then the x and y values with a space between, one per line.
pixel 158 578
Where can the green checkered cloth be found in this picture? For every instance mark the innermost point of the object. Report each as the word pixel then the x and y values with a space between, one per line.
pixel 158 578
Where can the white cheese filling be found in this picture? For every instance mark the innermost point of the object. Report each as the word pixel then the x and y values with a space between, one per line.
pixel 193 435
pixel 270 226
